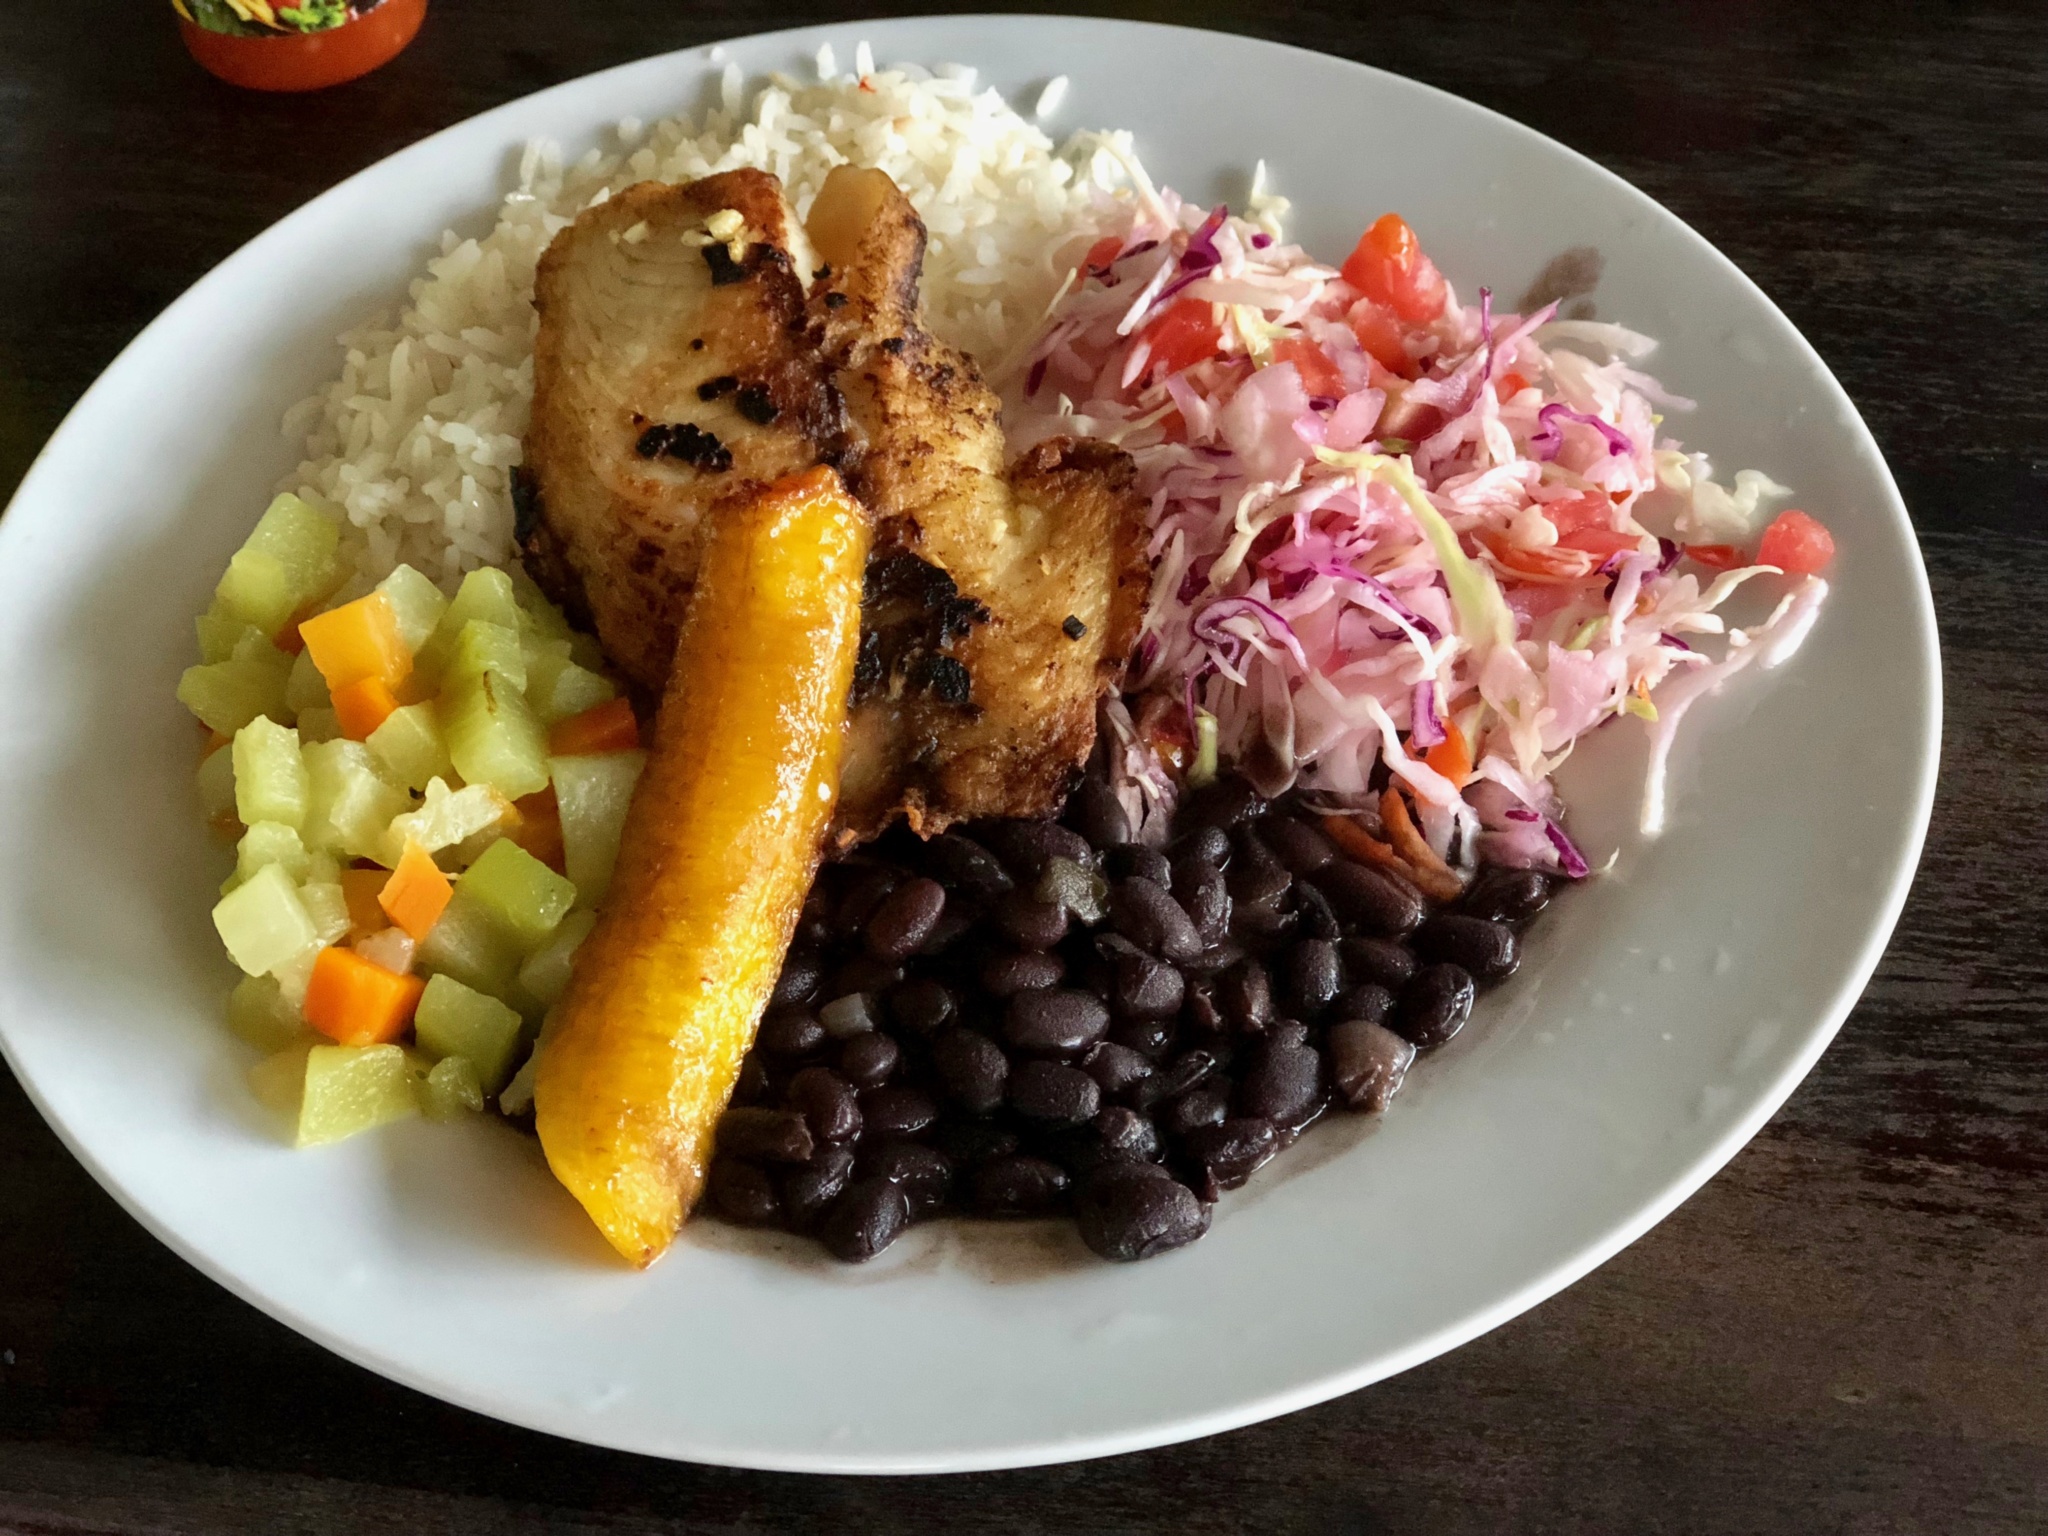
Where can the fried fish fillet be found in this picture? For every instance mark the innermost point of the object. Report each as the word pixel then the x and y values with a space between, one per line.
pixel 679 367
pixel 674 374
pixel 1051 551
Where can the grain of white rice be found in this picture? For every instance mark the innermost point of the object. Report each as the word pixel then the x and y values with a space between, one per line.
pixel 416 441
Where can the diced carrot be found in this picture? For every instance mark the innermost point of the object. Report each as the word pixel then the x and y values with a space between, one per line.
pixel 1431 873
pixel 539 828
pixel 361 888
pixel 610 727
pixel 362 706
pixel 354 1001
pixel 357 640
pixel 416 892
pixel 1451 757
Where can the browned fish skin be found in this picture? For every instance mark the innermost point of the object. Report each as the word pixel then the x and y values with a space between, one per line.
pixel 669 379
pixel 1059 537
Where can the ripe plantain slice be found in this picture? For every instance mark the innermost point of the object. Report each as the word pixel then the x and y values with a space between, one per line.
pixel 719 848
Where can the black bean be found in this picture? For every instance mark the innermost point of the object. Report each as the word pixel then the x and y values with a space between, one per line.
pixel 1489 950
pixel 802 972
pixel 958 920
pixel 1315 917
pixel 1115 1068
pixel 868 890
pixel 1262 922
pixel 1203 1017
pixel 1368 1001
pixel 1216 959
pixel 1284 1085
pixel 1296 844
pixel 1210 844
pixel 1233 1151
pixel 960 862
pixel 1376 901
pixel 742 1192
pixel 1094 811
pixel 972 1067
pixel 969 1142
pixel 1126 1135
pixel 1052 1092
pixel 897 1110
pixel 1185 1071
pixel 1129 1211
pixel 1136 859
pixel 1386 961
pixel 1018 1186
pixel 752 1085
pixel 868 1061
pixel 1142 987
pixel 1007 973
pixel 866 1219
pixel 1226 802
pixel 766 1135
pixel 1288 1032
pixel 1245 994
pixel 790 1032
pixel 1199 887
pixel 827 1102
pixel 1435 1005
pixel 810 1189
pixel 863 973
pixel 1508 895
pixel 1256 876
pixel 1143 913
pixel 1149 1038
pixel 814 921
pixel 1311 976
pixel 1057 1021
pixel 1030 923
pixel 1367 1063
pixel 924 1174
pixel 1206 1105
pixel 905 919
pixel 922 1005
pixel 1026 847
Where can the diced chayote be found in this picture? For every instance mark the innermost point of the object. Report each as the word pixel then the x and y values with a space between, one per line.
pixel 350 804
pixel 451 1090
pixel 409 746
pixel 318 724
pixel 418 604
pixel 270 775
pixel 448 818
pixel 269 842
pixel 288 560
pixel 326 904
pixel 557 688
pixel 258 1012
pixel 219 634
pixel 493 738
pixel 216 782
pixel 484 647
pixel 545 975
pixel 354 1088
pixel 539 617
pixel 593 794
pixel 470 945
pixel 227 695
pixel 526 898
pixel 263 922
pixel 306 689
pixel 459 1021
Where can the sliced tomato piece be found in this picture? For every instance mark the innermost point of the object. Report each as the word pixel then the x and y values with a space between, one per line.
pixel 1716 557
pixel 1600 542
pixel 1509 385
pixel 1378 330
pixel 1184 335
pixel 1796 544
pixel 1388 266
pixel 1102 256
pixel 1319 376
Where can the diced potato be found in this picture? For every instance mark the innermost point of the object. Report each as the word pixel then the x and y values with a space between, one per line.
pixel 306 689
pixel 458 1021
pixel 263 922
pixel 326 904
pixel 449 818
pixel 417 602
pixel 593 793
pixel 319 724
pixel 227 695
pixel 258 1012
pixel 484 647
pixel 354 1088
pixel 545 976
pixel 270 776
pixel 350 805
pixel 526 898
pixel 409 746
pixel 216 783
pixel 451 1090
pixel 469 945
pixel 287 561
pixel 269 842
pixel 557 688
pixel 494 738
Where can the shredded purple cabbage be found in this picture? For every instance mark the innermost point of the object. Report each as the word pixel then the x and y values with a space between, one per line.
pixel 1425 730
pixel 1569 859
pixel 1035 377
pixel 1549 436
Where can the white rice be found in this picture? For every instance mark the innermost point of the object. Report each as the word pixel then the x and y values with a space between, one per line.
pixel 416 442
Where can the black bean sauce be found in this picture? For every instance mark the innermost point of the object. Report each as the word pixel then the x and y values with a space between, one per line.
pixel 1032 1018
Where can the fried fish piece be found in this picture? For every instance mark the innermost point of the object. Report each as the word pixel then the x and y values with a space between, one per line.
pixel 1043 564
pixel 675 374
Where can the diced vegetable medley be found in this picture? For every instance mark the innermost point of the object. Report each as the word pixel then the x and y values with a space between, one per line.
pixel 425 794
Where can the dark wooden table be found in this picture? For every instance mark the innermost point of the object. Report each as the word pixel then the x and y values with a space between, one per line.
pixel 1847 1331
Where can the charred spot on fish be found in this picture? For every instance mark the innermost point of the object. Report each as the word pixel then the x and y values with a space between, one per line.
pixel 687 442
pixel 898 575
pixel 943 677
pixel 697 345
pixel 711 389
pixel 870 670
pixel 835 300
pixel 525 504
pixel 822 273
pixel 1073 628
pixel 754 402
pixel 723 268
pixel 959 615
pixel 893 345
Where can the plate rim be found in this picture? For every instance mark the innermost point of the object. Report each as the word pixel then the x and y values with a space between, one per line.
pixel 1766 1102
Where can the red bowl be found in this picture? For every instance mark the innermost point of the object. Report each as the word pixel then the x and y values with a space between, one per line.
pixel 307 61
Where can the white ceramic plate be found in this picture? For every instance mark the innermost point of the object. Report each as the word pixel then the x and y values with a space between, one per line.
pixel 1663 1014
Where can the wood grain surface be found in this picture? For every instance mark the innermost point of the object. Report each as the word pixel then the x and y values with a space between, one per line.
pixel 1846 1331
